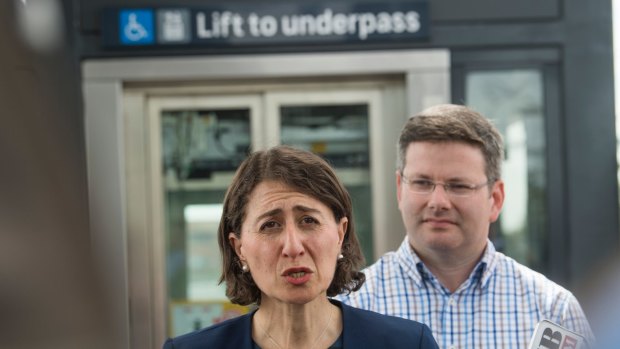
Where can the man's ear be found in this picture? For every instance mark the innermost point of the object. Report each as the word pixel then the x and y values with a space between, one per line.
pixel 497 195
pixel 398 184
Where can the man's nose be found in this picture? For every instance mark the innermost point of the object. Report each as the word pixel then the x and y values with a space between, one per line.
pixel 439 198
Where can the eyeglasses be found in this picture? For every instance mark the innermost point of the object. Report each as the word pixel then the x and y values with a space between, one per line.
pixel 425 187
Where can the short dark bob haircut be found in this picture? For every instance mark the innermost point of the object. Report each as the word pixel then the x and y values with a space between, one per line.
pixel 307 173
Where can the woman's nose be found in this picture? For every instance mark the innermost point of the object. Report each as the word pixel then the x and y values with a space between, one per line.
pixel 293 246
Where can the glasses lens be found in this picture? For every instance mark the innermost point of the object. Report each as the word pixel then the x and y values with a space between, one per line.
pixel 421 186
pixel 460 189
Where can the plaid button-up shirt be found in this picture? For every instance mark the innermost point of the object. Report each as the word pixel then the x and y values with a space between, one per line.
pixel 498 306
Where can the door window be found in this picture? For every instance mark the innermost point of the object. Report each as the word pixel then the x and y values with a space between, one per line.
pixel 201 149
pixel 513 100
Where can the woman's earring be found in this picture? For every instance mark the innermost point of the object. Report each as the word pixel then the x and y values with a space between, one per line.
pixel 340 256
pixel 244 268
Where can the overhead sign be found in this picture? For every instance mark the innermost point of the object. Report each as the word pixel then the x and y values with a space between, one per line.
pixel 261 24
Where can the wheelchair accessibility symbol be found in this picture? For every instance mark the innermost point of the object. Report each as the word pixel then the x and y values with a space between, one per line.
pixel 136 27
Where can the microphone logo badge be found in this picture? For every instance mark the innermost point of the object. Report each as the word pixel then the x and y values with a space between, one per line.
pixel 549 335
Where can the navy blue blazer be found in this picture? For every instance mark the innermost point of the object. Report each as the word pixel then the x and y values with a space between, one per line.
pixel 361 329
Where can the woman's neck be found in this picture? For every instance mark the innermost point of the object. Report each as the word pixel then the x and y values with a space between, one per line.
pixel 312 325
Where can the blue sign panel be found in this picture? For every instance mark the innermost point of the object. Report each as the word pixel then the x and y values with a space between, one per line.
pixel 136 27
pixel 260 25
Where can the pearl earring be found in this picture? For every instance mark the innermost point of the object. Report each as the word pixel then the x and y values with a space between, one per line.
pixel 340 256
pixel 244 268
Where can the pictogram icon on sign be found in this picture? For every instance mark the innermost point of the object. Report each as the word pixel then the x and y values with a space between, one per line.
pixel 136 27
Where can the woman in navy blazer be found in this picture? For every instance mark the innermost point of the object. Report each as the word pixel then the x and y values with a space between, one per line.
pixel 287 241
pixel 361 329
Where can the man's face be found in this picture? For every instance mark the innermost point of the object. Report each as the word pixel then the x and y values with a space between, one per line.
pixel 440 223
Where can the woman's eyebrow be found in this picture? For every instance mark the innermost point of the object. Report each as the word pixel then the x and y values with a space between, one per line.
pixel 305 209
pixel 270 213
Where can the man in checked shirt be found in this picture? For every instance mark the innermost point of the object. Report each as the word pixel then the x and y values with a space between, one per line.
pixel 447 273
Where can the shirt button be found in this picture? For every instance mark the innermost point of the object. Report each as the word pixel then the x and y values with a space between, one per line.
pixel 453 347
pixel 451 303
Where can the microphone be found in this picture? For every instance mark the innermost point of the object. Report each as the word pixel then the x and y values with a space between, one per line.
pixel 549 335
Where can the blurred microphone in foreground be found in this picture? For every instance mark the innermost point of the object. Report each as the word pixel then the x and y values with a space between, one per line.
pixel 549 335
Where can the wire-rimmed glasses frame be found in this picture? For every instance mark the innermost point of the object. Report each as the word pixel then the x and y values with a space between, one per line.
pixel 423 186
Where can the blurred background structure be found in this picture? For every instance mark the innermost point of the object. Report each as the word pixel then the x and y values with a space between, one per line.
pixel 49 289
pixel 126 122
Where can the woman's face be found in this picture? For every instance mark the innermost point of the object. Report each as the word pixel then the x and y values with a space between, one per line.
pixel 290 242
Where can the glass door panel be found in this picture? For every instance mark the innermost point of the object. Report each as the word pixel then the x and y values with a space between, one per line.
pixel 338 132
pixel 201 149
pixel 202 144
pixel 514 100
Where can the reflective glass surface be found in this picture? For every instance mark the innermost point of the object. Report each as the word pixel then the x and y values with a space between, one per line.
pixel 514 101
pixel 201 150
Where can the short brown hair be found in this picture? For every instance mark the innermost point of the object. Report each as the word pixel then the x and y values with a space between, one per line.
pixel 309 174
pixel 454 123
